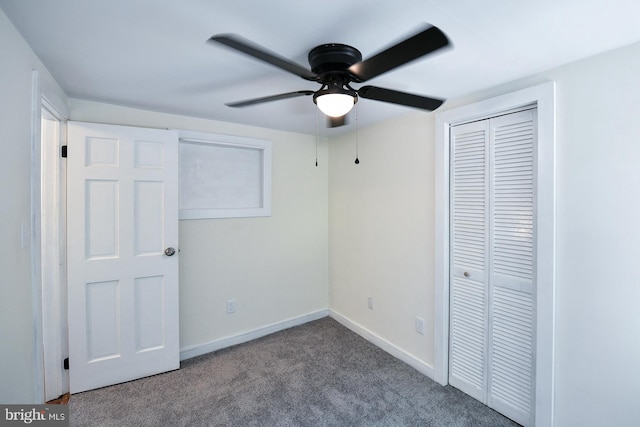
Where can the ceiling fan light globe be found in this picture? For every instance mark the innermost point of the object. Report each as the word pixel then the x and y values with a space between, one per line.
pixel 335 104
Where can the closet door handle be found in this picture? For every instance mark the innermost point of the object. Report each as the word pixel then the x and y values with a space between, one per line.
pixel 466 274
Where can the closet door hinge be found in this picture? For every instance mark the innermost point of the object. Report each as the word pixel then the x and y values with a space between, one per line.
pixel 63 151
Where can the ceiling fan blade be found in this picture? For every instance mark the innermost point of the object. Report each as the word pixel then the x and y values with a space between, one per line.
pixel 249 48
pixel 401 98
pixel 334 122
pixel 254 101
pixel 420 44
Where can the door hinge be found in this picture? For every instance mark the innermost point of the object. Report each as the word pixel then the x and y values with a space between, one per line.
pixel 63 151
pixel 65 364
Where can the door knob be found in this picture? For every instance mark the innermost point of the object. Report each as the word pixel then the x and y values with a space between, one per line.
pixel 466 274
pixel 169 251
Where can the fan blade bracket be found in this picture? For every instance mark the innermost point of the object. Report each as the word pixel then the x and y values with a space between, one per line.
pixel 256 51
pixel 424 42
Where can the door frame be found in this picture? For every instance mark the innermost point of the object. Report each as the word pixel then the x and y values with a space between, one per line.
pixel 543 96
pixel 43 94
pixel 53 237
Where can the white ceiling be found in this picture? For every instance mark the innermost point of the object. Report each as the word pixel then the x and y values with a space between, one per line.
pixel 153 54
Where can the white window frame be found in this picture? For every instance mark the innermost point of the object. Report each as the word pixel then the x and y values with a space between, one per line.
pixel 231 142
pixel 544 97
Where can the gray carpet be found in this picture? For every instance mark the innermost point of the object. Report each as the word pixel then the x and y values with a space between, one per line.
pixel 316 374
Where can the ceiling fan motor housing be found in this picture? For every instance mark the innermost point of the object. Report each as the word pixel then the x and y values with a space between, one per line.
pixel 333 57
pixel 330 62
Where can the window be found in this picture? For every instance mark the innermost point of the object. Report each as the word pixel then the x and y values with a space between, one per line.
pixel 223 176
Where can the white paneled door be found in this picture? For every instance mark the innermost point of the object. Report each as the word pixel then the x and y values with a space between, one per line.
pixel 492 283
pixel 122 253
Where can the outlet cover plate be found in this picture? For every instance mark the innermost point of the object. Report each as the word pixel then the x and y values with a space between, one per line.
pixel 420 325
pixel 231 306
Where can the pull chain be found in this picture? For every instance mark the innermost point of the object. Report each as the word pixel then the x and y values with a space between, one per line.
pixel 316 137
pixel 357 162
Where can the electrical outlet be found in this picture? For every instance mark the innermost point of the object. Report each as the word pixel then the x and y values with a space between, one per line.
pixel 231 306
pixel 370 303
pixel 420 325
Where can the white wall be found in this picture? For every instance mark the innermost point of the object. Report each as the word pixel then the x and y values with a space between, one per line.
pixel 381 230
pixel 598 292
pixel 17 335
pixel 275 267
pixel 381 238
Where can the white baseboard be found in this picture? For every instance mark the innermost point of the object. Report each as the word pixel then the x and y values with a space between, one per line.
pixel 200 349
pixel 385 345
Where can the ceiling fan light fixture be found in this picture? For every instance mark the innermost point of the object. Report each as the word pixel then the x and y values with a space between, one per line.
pixel 335 104
pixel 336 65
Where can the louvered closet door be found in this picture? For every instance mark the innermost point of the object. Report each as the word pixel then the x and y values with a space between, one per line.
pixel 511 277
pixel 469 258
pixel 492 283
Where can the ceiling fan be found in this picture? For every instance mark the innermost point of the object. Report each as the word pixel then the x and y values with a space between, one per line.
pixel 335 66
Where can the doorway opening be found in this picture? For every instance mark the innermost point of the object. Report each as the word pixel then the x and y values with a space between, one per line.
pixel 55 346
